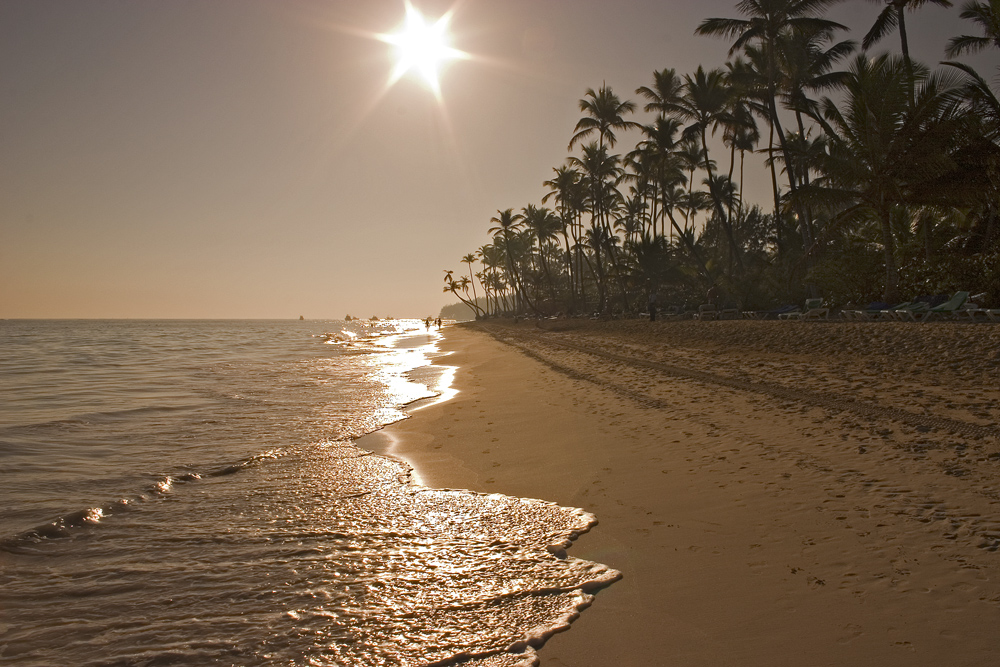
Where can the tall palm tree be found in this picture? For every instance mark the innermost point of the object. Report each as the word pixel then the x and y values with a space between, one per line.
pixel 984 107
pixel 605 114
pixel 565 187
pixel 806 68
pixel 987 16
pixel 766 24
pixel 470 259
pixel 632 217
pixel 493 258
pixel 453 286
pixel 506 223
pixel 655 165
pixel 690 155
pixel 883 150
pixel 544 227
pixel 705 103
pixel 893 17
pixel 740 131
pixel 602 175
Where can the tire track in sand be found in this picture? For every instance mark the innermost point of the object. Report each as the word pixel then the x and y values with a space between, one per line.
pixel 521 340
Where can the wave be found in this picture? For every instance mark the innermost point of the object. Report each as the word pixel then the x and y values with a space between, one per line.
pixel 375 569
pixel 104 417
pixel 65 525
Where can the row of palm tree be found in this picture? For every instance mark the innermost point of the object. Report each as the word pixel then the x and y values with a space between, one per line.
pixel 884 178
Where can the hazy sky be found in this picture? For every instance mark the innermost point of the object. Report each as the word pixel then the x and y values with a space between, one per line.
pixel 244 158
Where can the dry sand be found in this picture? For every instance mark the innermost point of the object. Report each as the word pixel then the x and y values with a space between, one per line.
pixel 774 493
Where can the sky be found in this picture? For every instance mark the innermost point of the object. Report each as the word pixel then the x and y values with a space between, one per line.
pixel 249 159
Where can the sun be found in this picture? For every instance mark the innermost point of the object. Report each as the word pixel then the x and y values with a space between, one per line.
pixel 423 47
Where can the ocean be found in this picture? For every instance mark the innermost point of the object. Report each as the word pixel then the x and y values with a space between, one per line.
pixel 189 493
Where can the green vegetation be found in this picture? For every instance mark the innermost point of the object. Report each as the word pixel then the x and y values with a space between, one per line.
pixel 884 179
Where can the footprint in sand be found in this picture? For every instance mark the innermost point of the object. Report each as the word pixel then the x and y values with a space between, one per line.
pixel 850 632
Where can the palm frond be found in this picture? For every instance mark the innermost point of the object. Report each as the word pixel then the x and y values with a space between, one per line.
pixel 886 22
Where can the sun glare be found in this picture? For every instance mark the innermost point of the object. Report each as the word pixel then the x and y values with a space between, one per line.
pixel 423 47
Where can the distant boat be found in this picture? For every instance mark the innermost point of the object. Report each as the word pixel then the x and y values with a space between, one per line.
pixel 301 317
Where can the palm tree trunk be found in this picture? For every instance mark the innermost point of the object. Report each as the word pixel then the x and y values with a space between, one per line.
pixel 774 189
pixel 734 249
pixel 891 294
pixel 739 210
pixel 905 46
pixel 472 279
pixel 732 166
pixel 687 242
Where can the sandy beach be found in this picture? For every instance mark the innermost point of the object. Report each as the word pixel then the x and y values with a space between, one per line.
pixel 774 493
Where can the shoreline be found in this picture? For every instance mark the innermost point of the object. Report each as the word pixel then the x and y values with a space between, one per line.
pixel 751 528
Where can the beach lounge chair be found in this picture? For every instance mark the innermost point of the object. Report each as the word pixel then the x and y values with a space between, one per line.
pixel 707 311
pixel 815 310
pixel 945 309
pixel 906 311
pixel 971 310
pixel 910 312
pixel 868 313
pixel 778 312
pixel 789 313
pixel 730 312
pixel 889 313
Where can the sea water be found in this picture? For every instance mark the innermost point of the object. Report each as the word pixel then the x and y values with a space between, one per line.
pixel 188 493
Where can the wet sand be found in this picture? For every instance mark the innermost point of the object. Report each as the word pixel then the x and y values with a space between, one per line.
pixel 774 493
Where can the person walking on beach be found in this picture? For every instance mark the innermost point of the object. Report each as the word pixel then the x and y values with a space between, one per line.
pixel 651 305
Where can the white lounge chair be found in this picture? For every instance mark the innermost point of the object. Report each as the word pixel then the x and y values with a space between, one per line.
pixel 707 311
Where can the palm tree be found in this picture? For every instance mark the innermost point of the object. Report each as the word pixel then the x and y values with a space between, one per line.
pixel 984 108
pixel 453 286
pixel 766 25
pixel 883 150
pixel 665 91
pixel 565 188
pixel 633 215
pixel 987 16
pixel 602 175
pixel 655 165
pixel 470 259
pixel 807 67
pixel 740 133
pixel 893 17
pixel 705 102
pixel 544 227
pixel 506 223
pixel 691 155
pixel 605 113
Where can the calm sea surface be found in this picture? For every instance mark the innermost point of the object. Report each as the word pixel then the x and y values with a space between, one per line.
pixel 188 493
